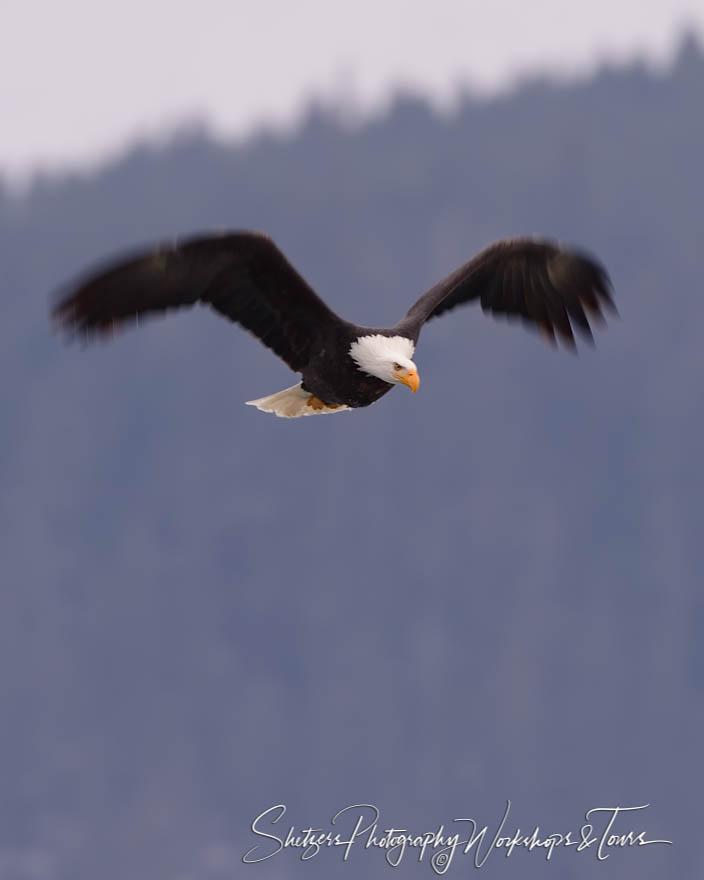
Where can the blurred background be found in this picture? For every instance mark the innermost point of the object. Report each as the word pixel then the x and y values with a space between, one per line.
pixel 490 590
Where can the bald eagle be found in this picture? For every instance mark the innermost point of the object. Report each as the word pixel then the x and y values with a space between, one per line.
pixel 246 278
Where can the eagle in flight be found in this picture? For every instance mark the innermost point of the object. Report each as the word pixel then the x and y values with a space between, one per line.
pixel 246 278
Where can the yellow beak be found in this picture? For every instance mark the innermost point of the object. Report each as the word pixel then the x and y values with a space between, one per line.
pixel 409 378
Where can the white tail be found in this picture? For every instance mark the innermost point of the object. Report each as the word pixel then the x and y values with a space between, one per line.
pixel 293 402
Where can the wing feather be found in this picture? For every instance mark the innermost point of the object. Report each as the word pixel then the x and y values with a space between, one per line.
pixel 242 275
pixel 552 287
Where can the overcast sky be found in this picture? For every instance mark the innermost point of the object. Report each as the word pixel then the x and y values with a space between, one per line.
pixel 81 78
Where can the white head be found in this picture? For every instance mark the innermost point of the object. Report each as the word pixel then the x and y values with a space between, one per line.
pixel 387 358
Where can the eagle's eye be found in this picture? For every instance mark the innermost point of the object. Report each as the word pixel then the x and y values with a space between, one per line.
pixel 397 367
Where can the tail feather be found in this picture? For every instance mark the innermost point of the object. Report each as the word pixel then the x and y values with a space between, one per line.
pixel 292 403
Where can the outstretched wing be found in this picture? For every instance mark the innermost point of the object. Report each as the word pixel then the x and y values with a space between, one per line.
pixel 242 275
pixel 550 286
